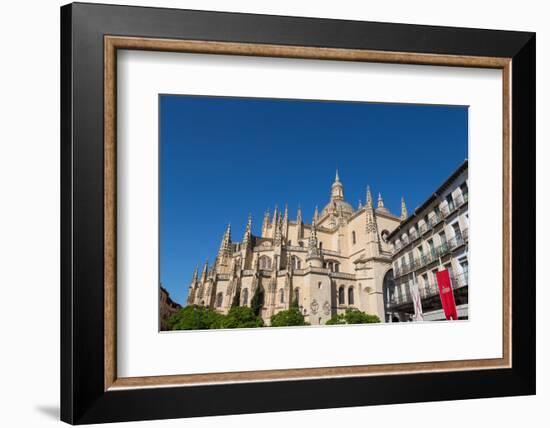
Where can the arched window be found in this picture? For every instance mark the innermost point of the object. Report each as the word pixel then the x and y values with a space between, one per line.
pixel 281 295
pixel 320 245
pixel 265 262
pixel 296 262
pixel 301 243
pixel 245 297
pixel 297 295
pixel 332 266
pixel 219 300
pixel 353 237
pixel 350 296
pixel 341 296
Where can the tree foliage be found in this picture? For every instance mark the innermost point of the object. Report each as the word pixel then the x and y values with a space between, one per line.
pixel 353 316
pixel 290 317
pixel 195 317
pixel 241 317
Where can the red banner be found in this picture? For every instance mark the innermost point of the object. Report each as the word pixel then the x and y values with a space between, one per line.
pixel 446 294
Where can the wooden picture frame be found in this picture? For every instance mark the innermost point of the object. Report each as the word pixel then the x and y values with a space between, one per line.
pixel 91 390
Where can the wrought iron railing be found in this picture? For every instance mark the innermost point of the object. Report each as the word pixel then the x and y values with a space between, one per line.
pixel 427 290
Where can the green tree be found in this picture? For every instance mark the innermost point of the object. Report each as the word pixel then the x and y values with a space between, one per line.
pixel 237 298
pixel 290 317
pixel 241 317
pixel 353 316
pixel 257 301
pixel 195 318
pixel 337 319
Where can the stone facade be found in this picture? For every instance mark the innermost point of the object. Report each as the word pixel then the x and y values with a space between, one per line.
pixel 339 260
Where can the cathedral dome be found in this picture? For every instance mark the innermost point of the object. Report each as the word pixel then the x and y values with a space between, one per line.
pixel 335 206
pixel 337 201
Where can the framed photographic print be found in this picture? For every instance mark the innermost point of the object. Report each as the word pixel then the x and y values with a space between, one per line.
pixel 275 213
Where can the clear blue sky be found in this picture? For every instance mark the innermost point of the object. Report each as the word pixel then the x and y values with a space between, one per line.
pixel 222 158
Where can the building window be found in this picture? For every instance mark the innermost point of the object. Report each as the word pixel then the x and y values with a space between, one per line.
pixel 245 297
pixel 289 242
pixel 332 266
pixel 442 238
pixel 297 295
pixel 450 202
pixel 281 295
pixel 434 276
pixel 320 245
pixel 449 267
pixel 319 285
pixel 463 262
pixel 341 296
pixel 351 299
pixel 353 237
pixel 456 229
pixel 219 300
pixel 296 262
pixel 301 243
pixel 265 262
pixel 431 247
pixel 464 189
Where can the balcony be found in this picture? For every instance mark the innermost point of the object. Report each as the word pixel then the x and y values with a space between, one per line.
pixel 423 229
pixel 429 290
pixel 459 281
pixel 461 199
pixel 434 220
pixel 456 203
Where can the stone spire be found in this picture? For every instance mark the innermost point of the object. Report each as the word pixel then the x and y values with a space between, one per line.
pixel 247 233
pixel 337 189
pixel 278 233
pixel 380 200
pixel 204 272
pixel 195 276
pixel 381 206
pixel 225 247
pixel 368 204
pixel 285 221
pixel 299 216
pixel 313 253
pixel 265 224
pixel 372 242
pixel 360 205
pixel 404 213
pixel 275 217
pixel 316 214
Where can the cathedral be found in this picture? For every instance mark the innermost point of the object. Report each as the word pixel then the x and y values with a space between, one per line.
pixel 341 260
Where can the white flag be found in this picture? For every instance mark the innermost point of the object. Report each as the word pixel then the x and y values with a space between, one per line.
pixel 416 300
